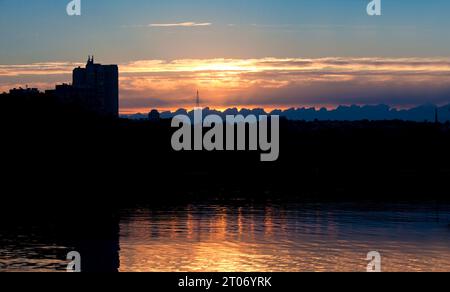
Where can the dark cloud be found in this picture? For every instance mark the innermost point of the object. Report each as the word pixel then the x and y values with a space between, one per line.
pixel 265 82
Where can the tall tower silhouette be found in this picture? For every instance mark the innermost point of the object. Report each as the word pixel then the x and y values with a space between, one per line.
pixel 197 100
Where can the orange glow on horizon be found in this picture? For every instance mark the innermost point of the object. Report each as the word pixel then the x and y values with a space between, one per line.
pixel 269 83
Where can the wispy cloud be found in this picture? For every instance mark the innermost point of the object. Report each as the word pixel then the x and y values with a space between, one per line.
pixel 266 82
pixel 186 24
pixel 180 24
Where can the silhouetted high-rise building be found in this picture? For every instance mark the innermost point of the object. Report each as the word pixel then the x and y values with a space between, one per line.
pixel 94 88
pixel 98 87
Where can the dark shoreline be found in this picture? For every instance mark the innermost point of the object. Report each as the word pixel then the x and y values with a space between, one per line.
pixel 59 155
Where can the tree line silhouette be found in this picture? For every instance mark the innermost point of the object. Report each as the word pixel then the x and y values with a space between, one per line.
pixel 60 152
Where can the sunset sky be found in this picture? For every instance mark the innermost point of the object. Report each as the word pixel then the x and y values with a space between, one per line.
pixel 243 53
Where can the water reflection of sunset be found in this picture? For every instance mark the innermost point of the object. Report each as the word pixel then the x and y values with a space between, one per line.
pixel 249 238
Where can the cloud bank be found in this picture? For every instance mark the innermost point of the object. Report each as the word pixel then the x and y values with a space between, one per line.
pixel 268 82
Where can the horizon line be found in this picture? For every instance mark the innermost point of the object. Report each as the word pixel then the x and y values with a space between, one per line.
pixel 283 109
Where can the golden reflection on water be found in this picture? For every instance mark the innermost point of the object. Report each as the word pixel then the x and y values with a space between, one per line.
pixel 271 239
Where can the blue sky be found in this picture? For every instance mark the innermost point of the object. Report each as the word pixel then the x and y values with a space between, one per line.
pixel 40 30
pixel 244 53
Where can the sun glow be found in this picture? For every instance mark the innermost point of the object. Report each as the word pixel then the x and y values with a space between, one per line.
pixel 275 83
